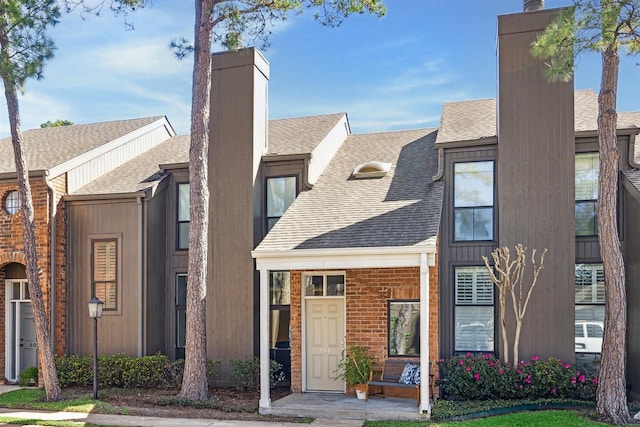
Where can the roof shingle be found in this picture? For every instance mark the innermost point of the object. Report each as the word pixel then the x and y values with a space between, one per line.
pixel 400 209
pixel 48 147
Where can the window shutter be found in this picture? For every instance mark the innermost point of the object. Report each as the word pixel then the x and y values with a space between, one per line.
pixel 105 272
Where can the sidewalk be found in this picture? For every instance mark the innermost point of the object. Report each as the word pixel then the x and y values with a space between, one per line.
pixel 128 420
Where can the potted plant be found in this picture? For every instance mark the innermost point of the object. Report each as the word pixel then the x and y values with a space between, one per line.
pixel 354 368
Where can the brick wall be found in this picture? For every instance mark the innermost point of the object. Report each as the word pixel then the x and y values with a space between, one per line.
pixel 12 251
pixel 367 292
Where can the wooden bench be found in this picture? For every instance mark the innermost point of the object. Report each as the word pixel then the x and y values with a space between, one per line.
pixel 390 377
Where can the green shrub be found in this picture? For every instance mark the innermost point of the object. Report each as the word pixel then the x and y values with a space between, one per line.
pixel 485 377
pixel 28 377
pixel 113 371
pixel 74 370
pixel 245 374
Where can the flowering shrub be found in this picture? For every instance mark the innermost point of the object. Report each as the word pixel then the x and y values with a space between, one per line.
pixel 485 377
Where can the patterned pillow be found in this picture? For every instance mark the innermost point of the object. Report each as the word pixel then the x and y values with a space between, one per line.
pixel 407 373
pixel 416 376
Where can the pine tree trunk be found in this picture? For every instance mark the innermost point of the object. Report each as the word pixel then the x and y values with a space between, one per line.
pixel 611 399
pixel 45 346
pixel 194 383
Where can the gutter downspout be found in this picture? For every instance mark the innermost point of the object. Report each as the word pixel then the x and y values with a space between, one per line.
pixel 141 295
pixel 425 403
pixel 440 171
pixel 632 152
pixel 52 267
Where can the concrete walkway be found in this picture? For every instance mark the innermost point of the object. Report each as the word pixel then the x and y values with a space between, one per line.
pixel 128 420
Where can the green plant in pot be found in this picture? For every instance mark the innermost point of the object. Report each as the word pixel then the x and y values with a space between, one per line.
pixel 355 366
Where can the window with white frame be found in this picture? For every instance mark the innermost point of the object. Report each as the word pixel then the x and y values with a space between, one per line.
pixel 473 195
pixel 590 305
pixel 182 235
pixel 587 172
pixel 474 309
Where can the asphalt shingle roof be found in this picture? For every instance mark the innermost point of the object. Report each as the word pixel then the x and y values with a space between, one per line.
pixel 400 209
pixel 633 175
pixel 142 172
pixel 286 136
pixel 475 120
pixel 49 147
pixel 301 134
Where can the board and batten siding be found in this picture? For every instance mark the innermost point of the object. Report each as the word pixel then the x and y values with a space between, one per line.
pixel 117 331
pixel 632 257
pixel 457 254
pixel 156 312
pixel 238 138
pixel 536 180
pixel 176 261
pixel 97 166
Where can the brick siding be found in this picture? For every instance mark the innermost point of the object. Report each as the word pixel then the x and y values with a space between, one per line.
pixel 12 251
pixel 367 292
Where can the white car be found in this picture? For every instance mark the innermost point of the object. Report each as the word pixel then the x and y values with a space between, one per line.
pixel 589 336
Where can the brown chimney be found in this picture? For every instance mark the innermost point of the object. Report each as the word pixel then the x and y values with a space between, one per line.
pixel 531 5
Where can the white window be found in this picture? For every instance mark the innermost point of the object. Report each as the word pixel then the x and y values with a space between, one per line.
pixel 12 202
pixel 590 304
pixel 474 326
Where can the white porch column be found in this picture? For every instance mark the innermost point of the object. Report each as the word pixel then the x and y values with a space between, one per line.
pixel 265 398
pixel 425 403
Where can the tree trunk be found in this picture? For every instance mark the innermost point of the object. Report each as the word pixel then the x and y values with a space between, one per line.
pixel 516 341
pixel 611 399
pixel 194 383
pixel 503 325
pixel 45 346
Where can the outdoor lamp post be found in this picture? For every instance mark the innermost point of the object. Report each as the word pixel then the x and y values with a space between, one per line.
pixel 95 312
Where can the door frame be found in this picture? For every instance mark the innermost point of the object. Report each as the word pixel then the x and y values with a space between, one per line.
pixel 303 313
pixel 12 328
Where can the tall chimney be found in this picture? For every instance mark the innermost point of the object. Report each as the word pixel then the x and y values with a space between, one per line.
pixel 536 152
pixel 532 5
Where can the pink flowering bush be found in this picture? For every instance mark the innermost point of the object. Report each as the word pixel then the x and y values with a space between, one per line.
pixel 484 377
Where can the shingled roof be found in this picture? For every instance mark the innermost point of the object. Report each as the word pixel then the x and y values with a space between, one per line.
pixel 400 209
pixel 286 136
pixel 142 172
pixel 49 147
pixel 300 135
pixel 476 120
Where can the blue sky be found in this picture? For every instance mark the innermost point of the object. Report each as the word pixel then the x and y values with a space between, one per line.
pixel 387 74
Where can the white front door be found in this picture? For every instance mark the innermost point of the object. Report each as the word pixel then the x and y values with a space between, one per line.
pixel 21 348
pixel 324 337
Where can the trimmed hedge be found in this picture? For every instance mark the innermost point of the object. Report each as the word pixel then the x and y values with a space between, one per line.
pixel 127 371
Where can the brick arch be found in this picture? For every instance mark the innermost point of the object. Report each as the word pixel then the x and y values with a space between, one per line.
pixel 9 257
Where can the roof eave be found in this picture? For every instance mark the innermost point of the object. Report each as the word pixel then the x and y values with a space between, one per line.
pixel 341 258
pixel 104 197
pixel 13 176
pixel 485 140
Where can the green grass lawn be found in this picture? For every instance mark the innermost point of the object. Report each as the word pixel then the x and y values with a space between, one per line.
pixel 525 419
pixel 34 399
